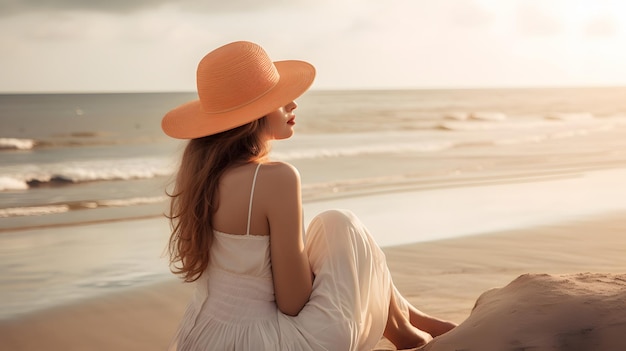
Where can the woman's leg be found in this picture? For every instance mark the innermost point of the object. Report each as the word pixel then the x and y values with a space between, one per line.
pixel 408 327
pixel 348 307
pixel 400 331
pixel 352 278
pixel 433 326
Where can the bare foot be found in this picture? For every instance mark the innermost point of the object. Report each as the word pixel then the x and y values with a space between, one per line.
pixel 404 335
pixel 402 331
pixel 433 326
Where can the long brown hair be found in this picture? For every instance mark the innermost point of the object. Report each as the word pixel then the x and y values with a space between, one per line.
pixel 194 198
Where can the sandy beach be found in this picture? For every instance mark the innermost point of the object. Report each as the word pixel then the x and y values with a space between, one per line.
pixel 445 247
pixel 443 278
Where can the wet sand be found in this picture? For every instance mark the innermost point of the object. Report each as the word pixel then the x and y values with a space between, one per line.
pixel 443 278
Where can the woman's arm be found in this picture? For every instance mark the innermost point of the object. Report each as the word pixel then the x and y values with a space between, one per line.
pixel 290 263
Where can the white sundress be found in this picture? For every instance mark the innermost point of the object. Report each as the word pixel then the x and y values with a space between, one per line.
pixel 233 306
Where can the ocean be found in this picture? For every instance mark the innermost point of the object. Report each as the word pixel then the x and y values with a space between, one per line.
pixel 76 169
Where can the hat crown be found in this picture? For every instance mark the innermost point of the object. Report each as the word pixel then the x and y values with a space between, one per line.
pixel 233 76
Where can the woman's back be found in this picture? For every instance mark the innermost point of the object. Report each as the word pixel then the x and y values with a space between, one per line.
pixel 236 202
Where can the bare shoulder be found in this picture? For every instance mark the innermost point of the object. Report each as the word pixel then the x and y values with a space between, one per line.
pixel 279 189
pixel 280 173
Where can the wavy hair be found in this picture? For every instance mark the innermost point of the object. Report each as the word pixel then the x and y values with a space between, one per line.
pixel 194 197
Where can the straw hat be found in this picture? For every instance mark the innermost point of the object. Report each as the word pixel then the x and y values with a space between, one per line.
pixel 237 84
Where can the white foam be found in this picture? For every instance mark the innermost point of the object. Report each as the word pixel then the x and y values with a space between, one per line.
pixel 113 170
pixel 362 149
pixel 524 139
pixel 581 132
pixel 457 116
pixel 583 116
pixel 557 134
pixel 16 144
pixel 10 183
pixel 32 211
pixel 488 126
pixel 488 116
pixel 60 208
pixel 15 177
pixel 531 129
pixel 567 126
pixel 132 201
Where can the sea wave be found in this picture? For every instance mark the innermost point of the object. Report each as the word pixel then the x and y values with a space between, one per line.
pixel 317 146
pixel 16 144
pixel 362 149
pixel 488 116
pixel 33 210
pixel 10 183
pixel 78 205
pixel 476 116
pixel 582 116
pixel 547 124
pixel 73 140
pixel 21 177
pixel 131 201
pixel 474 125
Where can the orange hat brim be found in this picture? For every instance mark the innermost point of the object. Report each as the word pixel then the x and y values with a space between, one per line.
pixel 190 121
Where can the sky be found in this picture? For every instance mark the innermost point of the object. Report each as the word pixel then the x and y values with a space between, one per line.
pixel 155 45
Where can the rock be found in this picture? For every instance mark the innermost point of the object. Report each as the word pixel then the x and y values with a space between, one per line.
pixel 541 312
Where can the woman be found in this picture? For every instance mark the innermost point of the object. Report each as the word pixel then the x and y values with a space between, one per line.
pixel 238 228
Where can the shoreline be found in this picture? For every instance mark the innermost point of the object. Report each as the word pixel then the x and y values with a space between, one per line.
pixel 409 187
pixel 312 193
pixel 441 213
pixel 121 254
pixel 442 278
pixel 315 194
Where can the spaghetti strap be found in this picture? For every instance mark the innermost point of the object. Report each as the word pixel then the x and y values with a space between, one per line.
pixel 256 171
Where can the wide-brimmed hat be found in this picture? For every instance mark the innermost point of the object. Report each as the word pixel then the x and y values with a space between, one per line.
pixel 237 84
